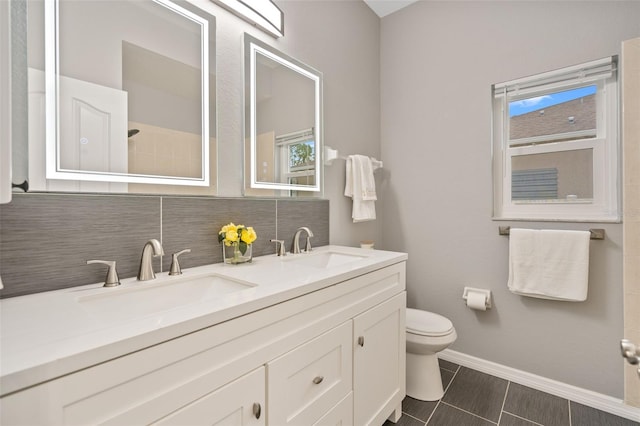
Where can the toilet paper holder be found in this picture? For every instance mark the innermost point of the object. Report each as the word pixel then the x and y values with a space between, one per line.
pixel 485 292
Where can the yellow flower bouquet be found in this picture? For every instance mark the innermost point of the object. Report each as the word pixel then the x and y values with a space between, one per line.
pixel 237 240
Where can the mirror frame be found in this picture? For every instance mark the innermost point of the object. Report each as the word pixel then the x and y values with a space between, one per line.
pixel 53 169
pixel 253 47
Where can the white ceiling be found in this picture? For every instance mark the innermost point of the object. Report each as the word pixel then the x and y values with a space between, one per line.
pixel 385 7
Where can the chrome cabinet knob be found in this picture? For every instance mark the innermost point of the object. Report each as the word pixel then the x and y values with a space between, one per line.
pixel 257 410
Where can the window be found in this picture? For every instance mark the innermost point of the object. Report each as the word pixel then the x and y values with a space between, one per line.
pixel 297 154
pixel 555 145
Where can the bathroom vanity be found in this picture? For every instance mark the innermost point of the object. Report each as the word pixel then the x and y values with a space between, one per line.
pixel 304 339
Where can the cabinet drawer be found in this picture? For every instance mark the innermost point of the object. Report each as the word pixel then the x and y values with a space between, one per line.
pixel 239 403
pixel 307 382
pixel 340 415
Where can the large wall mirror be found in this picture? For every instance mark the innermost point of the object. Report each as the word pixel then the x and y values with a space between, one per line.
pixel 283 124
pixel 120 97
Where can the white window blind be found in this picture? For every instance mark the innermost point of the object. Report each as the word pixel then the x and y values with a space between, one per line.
pixel 549 81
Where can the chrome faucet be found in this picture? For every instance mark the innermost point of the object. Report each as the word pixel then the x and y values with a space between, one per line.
pixel 151 249
pixel 295 244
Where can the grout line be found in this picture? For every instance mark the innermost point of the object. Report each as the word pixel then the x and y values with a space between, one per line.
pixel 434 410
pixel 455 373
pixel 161 234
pixel 277 237
pixel 524 418
pixel 504 401
pixel 413 417
pixel 468 412
pixel 569 405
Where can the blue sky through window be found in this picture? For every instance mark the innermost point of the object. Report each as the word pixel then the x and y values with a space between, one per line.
pixel 524 106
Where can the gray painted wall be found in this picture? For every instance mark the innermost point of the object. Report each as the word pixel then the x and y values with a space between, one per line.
pixel 439 60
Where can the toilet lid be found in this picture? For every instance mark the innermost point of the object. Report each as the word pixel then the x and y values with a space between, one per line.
pixel 427 323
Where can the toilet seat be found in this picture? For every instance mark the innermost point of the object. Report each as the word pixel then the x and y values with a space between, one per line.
pixel 425 323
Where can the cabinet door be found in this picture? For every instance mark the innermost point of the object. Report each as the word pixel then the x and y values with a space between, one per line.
pixel 239 403
pixel 379 361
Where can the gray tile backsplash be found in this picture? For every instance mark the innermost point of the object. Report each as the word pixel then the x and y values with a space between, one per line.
pixel 293 214
pixel 195 222
pixel 46 239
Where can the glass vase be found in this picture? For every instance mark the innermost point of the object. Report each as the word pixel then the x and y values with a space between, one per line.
pixel 232 254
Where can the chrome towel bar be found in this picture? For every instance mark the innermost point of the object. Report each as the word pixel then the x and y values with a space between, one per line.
pixel 596 233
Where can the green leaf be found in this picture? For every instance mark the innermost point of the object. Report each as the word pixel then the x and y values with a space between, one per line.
pixel 243 247
pixel 221 237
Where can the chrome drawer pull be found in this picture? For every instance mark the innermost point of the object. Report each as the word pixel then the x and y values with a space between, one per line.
pixel 257 409
pixel 361 341
pixel 318 380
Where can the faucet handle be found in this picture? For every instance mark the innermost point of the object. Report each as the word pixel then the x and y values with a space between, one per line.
pixel 280 251
pixel 111 279
pixel 175 266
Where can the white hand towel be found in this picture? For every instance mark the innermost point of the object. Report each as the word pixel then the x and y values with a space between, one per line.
pixel 549 264
pixel 360 186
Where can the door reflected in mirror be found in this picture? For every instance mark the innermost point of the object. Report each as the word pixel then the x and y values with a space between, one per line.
pixel 121 96
pixel 283 113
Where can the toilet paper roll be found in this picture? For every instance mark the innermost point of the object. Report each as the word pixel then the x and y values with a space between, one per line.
pixel 476 301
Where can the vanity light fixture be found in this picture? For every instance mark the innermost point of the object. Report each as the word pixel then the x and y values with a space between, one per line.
pixel 263 13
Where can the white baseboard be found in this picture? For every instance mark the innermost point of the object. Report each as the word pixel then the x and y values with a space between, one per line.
pixel 573 393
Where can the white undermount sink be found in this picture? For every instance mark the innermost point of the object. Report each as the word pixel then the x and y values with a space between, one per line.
pixel 149 297
pixel 326 259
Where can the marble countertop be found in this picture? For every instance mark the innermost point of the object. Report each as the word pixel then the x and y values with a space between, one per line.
pixel 47 335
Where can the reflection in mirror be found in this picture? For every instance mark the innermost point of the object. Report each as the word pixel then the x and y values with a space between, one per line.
pixel 283 113
pixel 121 96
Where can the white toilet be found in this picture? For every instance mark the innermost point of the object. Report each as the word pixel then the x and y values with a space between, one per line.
pixel 427 334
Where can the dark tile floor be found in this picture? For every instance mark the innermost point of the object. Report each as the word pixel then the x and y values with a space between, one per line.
pixel 472 398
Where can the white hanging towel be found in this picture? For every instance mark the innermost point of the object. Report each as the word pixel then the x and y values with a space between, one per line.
pixel 549 264
pixel 361 187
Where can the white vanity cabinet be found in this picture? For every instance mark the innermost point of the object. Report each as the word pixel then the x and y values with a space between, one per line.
pixel 331 356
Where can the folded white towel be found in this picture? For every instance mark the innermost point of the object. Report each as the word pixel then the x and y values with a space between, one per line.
pixel 361 187
pixel 549 264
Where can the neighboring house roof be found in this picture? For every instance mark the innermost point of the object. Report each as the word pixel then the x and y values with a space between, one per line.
pixel 572 116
